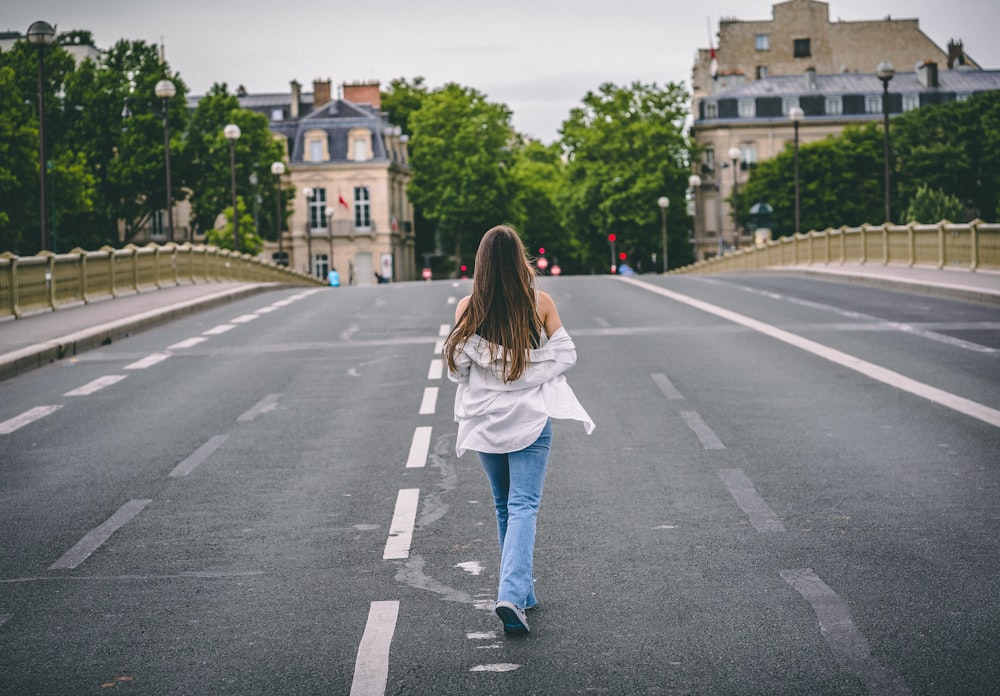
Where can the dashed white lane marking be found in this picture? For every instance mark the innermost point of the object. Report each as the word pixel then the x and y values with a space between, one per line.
pixel 148 361
pixel 29 416
pixel 188 343
pixel 452 300
pixel 667 387
pixel 429 403
pixel 401 530
pixel 220 329
pixel 438 346
pixel 844 638
pixel 98 535
pixel 266 310
pixel 759 513
pixel 444 330
pixel 268 403
pixel 419 447
pixel 486 635
pixel 244 319
pixel 96 385
pixel 435 370
pixel 371 669
pixel 497 667
pixel 880 374
pixel 709 440
pixel 198 456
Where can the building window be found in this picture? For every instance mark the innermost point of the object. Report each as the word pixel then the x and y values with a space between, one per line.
pixel 362 207
pixel 962 96
pixel 911 101
pixel 316 146
pixel 317 209
pixel 834 106
pixel 747 108
pixel 711 109
pixel 315 151
pixel 762 42
pixel 277 114
pixel 873 104
pixel 761 72
pixel 787 104
pixel 360 150
pixel 748 152
pixel 321 265
pixel 801 48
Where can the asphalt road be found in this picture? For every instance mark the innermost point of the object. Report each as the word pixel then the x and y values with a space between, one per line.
pixel 793 488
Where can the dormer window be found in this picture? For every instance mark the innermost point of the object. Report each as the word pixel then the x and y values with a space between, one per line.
pixel 360 144
pixel 316 146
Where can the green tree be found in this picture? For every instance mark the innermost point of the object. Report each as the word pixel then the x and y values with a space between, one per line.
pixel 625 148
pixel 18 168
pixel 932 205
pixel 538 177
pixel 222 237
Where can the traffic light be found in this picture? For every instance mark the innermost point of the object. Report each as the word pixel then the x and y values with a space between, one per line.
pixel 612 237
pixel 541 251
pixel 622 256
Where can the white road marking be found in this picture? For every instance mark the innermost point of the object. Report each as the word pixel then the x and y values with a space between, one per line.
pixel 244 319
pixel 429 403
pixel 198 456
pixel 844 638
pixel 29 416
pixel 401 530
pixel 708 439
pixel 880 374
pixel 98 535
pixel 148 361
pixel 220 329
pixel 419 447
pixel 498 667
pixel 667 387
pixel 96 385
pixel 436 370
pixel 444 330
pixel 266 310
pixel 452 300
pixel 438 346
pixel 489 635
pixel 371 668
pixel 759 513
pixel 268 403
pixel 188 343
pixel 470 567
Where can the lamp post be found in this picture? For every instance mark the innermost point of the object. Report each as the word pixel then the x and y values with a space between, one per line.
pixel 694 181
pixel 165 90
pixel 885 71
pixel 41 34
pixel 278 168
pixel 664 203
pixel 796 114
pixel 734 155
pixel 232 133
pixel 307 192
pixel 329 230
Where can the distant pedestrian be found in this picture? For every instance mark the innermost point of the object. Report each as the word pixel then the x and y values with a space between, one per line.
pixel 333 278
pixel 508 352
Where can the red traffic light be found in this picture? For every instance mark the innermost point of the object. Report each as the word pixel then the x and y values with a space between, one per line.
pixel 541 250
pixel 612 237
pixel 622 256
pixel 464 268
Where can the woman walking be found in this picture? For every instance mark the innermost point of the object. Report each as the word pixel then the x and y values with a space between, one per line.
pixel 508 352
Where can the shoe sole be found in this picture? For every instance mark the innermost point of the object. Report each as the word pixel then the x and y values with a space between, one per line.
pixel 511 623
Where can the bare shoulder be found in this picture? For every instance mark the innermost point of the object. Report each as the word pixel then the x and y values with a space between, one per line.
pixel 548 313
pixel 462 304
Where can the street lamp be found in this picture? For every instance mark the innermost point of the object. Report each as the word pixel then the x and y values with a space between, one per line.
pixel 694 181
pixel 307 192
pixel 885 71
pixel 165 90
pixel 278 168
pixel 232 133
pixel 329 230
pixel 734 155
pixel 796 114
pixel 664 203
pixel 41 34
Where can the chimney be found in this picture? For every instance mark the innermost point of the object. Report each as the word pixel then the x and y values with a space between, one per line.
pixel 927 74
pixel 956 54
pixel 321 93
pixel 293 109
pixel 363 93
pixel 811 79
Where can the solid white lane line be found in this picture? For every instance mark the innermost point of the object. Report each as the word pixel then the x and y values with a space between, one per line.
pixel 268 403
pixel 148 361
pixel 220 329
pixel 429 402
pixel 881 374
pixel 98 535
pixel 371 669
pixel 96 385
pixel 188 343
pixel 709 440
pixel 436 370
pixel 198 456
pixel 667 387
pixel 844 638
pixel 438 346
pixel 759 513
pixel 401 530
pixel 444 330
pixel 419 447
pixel 244 319
pixel 29 416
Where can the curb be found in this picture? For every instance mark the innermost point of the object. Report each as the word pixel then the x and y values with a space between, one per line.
pixel 26 359
pixel 959 292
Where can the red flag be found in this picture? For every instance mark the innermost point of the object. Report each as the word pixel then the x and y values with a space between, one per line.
pixel 714 65
pixel 343 202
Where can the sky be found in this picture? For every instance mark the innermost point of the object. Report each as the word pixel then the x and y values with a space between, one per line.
pixel 539 57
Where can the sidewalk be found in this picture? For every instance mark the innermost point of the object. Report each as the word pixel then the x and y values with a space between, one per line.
pixel 42 338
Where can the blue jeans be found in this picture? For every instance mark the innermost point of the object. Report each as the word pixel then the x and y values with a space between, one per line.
pixel 516 479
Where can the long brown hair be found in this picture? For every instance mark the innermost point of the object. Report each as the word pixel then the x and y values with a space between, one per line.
pixel 502 309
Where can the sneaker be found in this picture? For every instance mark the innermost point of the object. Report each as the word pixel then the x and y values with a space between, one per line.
pixel 514 620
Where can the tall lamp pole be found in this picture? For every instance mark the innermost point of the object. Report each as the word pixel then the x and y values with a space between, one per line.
pixel 796 114
pixel 664 203
pixel 232 133
pixel 278 168
pixel 307 192
pixel 734 155
pixel 885 72
pixel 165 90
pixel 41 34
pixel 694 181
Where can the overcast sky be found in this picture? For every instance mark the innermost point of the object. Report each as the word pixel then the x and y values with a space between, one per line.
pixel 540 57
